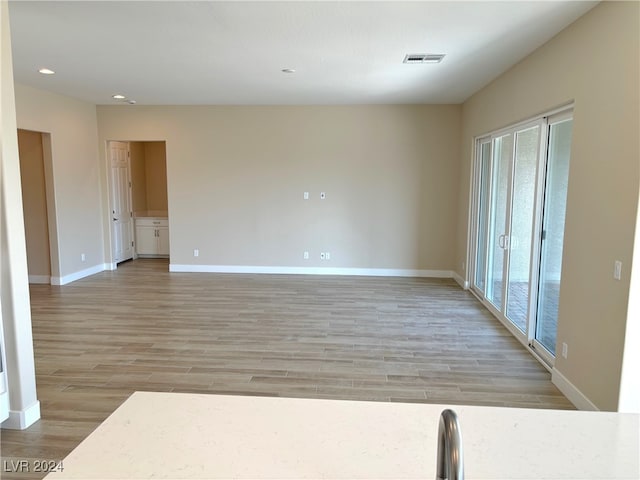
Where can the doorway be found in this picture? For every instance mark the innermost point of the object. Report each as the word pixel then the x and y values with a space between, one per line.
pixel 520 185
pixel 138 199
pixel 37 202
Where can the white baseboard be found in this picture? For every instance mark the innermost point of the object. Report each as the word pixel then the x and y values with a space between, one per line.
pixel 21 419
pixel 570 391
pixel 460 281
pixel 72 277
pixel 372 272
pixel 40 279
pixel 110 266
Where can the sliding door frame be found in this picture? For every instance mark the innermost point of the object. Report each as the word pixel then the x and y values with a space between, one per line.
pixel 538 347
pixel 527 337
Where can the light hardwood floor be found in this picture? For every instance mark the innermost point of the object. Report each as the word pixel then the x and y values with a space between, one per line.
pixel 360 338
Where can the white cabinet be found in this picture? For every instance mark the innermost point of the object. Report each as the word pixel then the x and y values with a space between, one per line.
pixel 163 240
pixel 152 236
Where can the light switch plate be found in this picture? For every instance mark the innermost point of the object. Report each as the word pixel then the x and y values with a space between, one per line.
pixel 617 270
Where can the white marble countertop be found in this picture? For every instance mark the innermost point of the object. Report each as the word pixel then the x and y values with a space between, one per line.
pixel 178 436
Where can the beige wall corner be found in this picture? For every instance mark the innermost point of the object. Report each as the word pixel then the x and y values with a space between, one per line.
pixel 595 63
pixel 24 408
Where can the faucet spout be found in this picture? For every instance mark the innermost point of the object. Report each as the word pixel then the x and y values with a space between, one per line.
pixel 450 455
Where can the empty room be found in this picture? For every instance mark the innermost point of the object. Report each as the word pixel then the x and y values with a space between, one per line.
pixel 319 239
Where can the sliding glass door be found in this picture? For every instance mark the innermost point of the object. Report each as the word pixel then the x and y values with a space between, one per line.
pixel 506 200
pixel 498 215
pixel 519 239
pixel 552 236
pixel 520 174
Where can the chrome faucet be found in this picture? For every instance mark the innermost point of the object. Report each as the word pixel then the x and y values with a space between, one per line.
pixel 450 456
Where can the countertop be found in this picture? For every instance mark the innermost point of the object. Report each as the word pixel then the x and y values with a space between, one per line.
pixel 174 435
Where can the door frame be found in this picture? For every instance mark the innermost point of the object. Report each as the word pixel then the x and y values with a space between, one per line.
pixel 528 337
pixel 550 120
pixel 50 203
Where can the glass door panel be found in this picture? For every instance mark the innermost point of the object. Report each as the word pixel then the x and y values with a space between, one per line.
pixel 555 200
pixel 520 184
pixel 521 228
pixel 483 216
pixel 496 258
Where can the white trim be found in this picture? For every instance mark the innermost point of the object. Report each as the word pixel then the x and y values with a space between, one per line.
pixel 570 391
pixel 22 419
pixel 4 403
pixel 110 266
pixel 460 281
pixel 72 277
pixel 41 279
pixel 373 272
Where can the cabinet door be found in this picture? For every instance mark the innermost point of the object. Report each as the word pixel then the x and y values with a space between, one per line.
pixel 163 240
pixel 146 240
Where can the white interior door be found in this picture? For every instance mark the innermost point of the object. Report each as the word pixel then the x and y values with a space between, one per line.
pixel 121 211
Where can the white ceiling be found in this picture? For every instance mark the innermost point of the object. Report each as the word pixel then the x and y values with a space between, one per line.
pixel 205 52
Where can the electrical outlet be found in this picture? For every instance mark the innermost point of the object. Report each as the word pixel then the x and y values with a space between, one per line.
pixel 305 195
pixel 565 350
pixel 327 255
pixel 322 256
pixel 196 252
pixel 83 257
pixel 305 255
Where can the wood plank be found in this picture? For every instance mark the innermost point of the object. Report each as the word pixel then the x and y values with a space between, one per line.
pixel 100 339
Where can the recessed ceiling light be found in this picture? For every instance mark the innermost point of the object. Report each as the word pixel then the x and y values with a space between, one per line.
pixel 288 70
pixel 46 71
pixel 131 102
pixel 118 96
pixel 423 58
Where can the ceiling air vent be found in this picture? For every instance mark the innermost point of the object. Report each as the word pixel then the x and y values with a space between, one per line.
pixel 423 58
